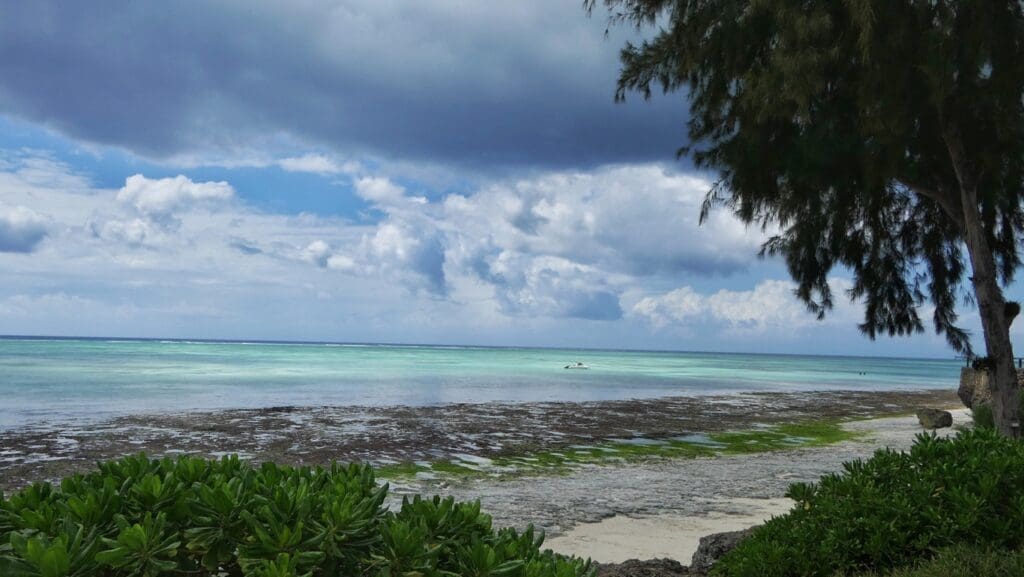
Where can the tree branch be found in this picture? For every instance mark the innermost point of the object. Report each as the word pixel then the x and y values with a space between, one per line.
pixel 949 202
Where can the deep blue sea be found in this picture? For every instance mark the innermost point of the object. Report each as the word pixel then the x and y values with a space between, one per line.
pixel 56 380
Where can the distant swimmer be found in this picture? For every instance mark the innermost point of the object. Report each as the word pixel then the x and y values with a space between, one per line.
pixel 576 365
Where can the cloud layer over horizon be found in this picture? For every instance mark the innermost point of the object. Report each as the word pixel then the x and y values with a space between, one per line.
pixel 482 87
pixel 563 256
pixel 369 171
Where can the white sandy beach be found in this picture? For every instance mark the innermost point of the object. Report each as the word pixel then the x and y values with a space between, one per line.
pixel 673 535
pixel 619 538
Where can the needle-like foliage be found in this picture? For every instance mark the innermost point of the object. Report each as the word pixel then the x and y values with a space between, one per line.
pixel 884 137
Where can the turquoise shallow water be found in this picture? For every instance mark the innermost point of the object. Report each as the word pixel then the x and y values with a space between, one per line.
pixel 65 379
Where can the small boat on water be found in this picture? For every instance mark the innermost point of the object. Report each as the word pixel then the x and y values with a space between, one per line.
pixel 576 365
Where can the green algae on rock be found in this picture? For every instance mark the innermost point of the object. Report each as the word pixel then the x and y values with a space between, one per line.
pixel 616 451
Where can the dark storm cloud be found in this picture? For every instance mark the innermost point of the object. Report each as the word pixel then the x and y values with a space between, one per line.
pixel 488 85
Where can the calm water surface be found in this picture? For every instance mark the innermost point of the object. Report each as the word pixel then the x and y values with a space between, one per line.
pixel 60 379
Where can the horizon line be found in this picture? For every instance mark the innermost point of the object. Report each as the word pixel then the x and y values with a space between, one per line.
pixel 200 340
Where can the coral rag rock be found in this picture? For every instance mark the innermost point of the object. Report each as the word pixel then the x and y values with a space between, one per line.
pixel 649 568
pixel 974 387
pixel 713 547
pixel 934 418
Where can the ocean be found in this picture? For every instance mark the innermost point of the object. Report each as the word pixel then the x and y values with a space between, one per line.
pixel 46 380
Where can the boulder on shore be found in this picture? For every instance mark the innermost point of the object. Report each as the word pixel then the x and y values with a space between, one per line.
pixel 648 568
pixel 935 418
pixel 713 547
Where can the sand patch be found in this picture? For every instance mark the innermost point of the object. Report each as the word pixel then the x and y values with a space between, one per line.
pixel 621 538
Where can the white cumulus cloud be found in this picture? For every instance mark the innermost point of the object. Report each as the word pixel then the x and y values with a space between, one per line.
pixel 639 220
pixel 133 232
pixel 21 229
pixel 770 306
pixel 158 199
pixel 317 252
pixel 610 258
pixel 676 306
pixel 554 286
pixel 384 193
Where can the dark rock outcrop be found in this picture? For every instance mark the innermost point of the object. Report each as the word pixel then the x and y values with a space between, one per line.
pixel 649 568
pixel 713 547
pixel 935 418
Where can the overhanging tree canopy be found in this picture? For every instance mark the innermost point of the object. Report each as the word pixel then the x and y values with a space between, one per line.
pixel 885 136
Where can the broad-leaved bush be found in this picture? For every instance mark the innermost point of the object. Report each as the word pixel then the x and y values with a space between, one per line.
pixel 893 510
pixel 189 516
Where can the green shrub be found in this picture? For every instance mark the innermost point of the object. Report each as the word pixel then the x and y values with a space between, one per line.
pixel 893 510
pixel 981 414
pixel 963 561
pixel 189 516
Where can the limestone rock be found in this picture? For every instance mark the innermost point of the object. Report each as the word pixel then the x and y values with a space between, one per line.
pixel 649 568
pixel 974 387
pixel 966 389
pixel 935 418
pixel 713 547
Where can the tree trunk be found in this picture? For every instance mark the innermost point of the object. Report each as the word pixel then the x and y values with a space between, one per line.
pixel 989 296
pixel 996 327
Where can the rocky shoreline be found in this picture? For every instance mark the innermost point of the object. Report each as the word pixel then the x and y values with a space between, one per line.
pixel 682 498
pixel 383 435
pixel 697 520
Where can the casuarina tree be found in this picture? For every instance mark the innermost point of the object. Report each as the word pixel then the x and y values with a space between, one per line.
pixel 883 137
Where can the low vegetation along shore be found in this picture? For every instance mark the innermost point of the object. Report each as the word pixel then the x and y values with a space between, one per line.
pixel 666 456
pixel 947 507
pixel 954 501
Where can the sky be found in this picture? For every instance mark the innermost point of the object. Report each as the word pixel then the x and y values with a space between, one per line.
pixel 438 171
